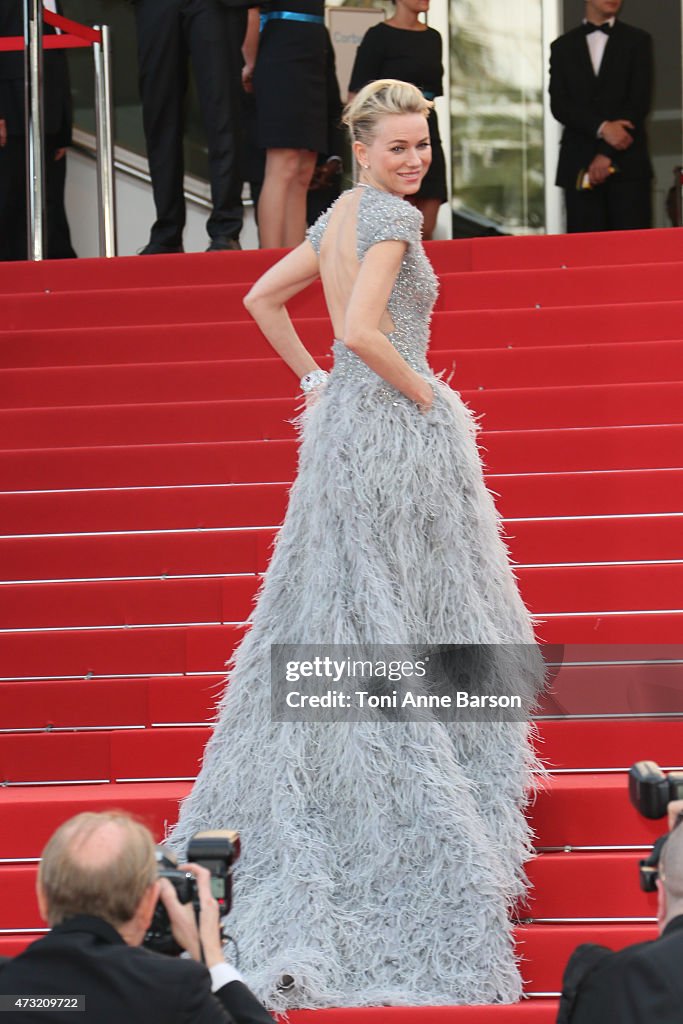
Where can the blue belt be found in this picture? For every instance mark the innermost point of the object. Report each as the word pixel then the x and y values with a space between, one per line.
pixel 315 19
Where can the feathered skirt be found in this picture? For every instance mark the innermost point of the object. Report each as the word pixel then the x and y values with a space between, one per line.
pixel 380 859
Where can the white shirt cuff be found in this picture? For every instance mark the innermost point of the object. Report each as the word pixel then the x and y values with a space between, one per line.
pixel 600 129
pixel 223 974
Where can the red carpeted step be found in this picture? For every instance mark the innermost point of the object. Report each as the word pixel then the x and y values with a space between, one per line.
pixel 612 628
pixel 146 651
pixel 573 325
pixel 129 272
pixel 219 380
pixel 253 419
pixel 223 505
pixel 515 289
pixel 32 813
pixel 566 590
pixel 483 290
pixel 626 688
pixel 159 423
pixel 577 885
pixel 573 589
pixel 546 365
pixel 97 703
pixel 166 753
pixel 180 553
pixel 101 756
pixel 574 811
pixel 588 885
pixel 644 679
pixel 193 649
pixel 165 508
pixel 143 383
pixel 546 948
pixel 585 493
pixel 531 451
pixel 579 811
pixel 483 329
pixel 215 268
pixel 613 743
pixel 124 603
pixel 103 556
pixel 593 250
pixel 477 254
pixel 564 325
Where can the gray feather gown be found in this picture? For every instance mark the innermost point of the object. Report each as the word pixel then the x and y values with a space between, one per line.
pixel 380 859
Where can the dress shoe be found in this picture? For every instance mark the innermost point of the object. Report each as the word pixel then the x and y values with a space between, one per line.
pixel 223 244
pixel 154 249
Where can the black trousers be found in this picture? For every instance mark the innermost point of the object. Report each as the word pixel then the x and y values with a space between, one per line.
pixel 170 33
pixel 13 201
pixel 617 205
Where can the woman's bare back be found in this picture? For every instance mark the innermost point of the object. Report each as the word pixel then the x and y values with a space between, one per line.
pixel 339 263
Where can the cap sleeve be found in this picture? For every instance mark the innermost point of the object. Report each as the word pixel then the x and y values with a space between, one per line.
pixel 388 219
pixel 315 233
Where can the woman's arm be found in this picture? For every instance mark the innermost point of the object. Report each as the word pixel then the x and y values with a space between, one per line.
pixel 266 303
pixel 250 48
pixel 366 310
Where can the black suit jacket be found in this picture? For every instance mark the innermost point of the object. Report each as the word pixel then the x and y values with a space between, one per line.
pixel 57 92
pixel 582 100
pixel 642 984
pixel 122 984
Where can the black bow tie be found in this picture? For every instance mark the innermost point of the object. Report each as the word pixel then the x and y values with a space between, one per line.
pixel 590 27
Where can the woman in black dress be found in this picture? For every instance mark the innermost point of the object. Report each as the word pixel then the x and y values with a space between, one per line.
pixel 403 47
pixel 290 90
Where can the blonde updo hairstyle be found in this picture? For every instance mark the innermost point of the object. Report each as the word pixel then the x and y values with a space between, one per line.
pixel 379 99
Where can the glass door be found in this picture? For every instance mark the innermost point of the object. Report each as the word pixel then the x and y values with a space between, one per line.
pixel 496 97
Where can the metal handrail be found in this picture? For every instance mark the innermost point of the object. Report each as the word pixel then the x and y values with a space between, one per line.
pixel 35 156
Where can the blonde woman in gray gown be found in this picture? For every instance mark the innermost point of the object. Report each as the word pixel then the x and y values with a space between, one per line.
pixel 380 859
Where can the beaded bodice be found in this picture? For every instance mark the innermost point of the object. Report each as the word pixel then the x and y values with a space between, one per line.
pixel 383 217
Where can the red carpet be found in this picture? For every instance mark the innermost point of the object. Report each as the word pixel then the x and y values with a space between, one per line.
pixel 145 457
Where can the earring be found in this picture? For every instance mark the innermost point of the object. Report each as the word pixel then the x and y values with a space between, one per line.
pixel 366 167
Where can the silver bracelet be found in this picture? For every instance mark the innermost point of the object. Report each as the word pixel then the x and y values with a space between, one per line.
pixel 313 380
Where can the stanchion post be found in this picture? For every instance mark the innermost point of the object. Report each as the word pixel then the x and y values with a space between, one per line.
pixel 105 143
pixel 34 120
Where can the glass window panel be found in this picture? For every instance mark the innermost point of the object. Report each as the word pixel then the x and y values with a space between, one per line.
pixel 496 66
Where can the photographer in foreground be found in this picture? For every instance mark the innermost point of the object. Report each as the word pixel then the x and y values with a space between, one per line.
pixel 97 888
pixel 642 983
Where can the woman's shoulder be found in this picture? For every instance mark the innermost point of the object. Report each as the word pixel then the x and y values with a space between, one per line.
pixel 384 216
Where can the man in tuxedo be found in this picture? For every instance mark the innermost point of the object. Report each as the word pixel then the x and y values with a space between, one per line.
pixel 210 33
pixel 642 983
pixel 600 90
pixel 57 105
pixel 98 888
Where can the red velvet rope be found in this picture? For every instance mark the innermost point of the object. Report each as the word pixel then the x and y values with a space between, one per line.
pixel 73 35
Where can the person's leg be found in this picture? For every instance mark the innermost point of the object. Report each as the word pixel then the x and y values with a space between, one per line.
pixel 586 209
pixel 59 245
pixel 429 208
pixel 162 64
pixel 13 199
pixel 629 204
pixel 282 203
pixel 215 34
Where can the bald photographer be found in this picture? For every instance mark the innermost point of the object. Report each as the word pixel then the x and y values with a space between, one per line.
pixel 642 983
pixel 98 889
